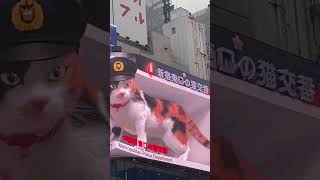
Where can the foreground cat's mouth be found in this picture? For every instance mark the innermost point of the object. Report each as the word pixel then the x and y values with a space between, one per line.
pixel 44 131
pixel 41 132
pixel 26 140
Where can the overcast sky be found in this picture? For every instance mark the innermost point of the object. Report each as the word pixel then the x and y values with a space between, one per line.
pixel 191 5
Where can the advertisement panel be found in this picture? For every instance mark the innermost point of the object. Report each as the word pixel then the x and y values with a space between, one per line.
pixel 130 19
pixel 177 120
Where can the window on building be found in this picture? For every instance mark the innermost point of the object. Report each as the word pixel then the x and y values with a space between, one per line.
pixel 173 30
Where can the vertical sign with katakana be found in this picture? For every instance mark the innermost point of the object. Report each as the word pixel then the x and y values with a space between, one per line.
pixel 130 18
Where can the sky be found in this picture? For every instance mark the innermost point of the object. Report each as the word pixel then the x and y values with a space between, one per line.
pixel 191 5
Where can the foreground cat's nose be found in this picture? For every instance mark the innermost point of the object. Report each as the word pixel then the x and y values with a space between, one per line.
pixel 34 106
pixel 120 95
pixel 38 104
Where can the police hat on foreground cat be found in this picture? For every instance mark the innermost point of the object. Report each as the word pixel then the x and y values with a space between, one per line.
pixel 122 68
pixel 39 29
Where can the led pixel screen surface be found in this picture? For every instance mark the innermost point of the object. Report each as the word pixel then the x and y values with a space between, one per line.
pixel 194 103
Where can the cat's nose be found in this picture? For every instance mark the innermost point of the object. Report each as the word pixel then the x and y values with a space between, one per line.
pixel 39 103
pixel 120 95
pixel 34 106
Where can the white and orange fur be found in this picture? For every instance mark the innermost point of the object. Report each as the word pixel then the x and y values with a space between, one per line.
pixel 148 117
pixel 34 101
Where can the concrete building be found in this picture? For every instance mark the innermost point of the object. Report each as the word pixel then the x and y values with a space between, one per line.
pixel 292 25
pixel 189 42
pixel 161 50
pixel 203 16
pixel 165 48
pixel 155 15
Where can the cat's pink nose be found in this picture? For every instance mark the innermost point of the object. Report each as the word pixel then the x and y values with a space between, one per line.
pixel 34 107
pixel 120 95
pixel 38 104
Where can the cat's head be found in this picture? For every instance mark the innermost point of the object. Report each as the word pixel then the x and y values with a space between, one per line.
pixel 122 91
pixel 36 95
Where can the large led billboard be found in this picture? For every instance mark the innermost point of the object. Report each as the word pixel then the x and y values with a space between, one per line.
pixel 171 107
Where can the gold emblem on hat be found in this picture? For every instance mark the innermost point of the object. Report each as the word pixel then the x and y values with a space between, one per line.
pixel 118 66
pixel 27 15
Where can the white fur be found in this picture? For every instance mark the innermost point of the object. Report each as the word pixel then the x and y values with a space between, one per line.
pixel 136 118
pixel 64 157
pixel 35 86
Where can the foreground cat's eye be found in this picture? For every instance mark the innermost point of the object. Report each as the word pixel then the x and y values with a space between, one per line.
pixel 10 79
pixel 113 86
pixel 128 84
pixel 58 73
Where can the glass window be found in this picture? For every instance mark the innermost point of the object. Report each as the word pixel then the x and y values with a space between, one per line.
pixel 130 169
pixel 121 171
pixel 173 30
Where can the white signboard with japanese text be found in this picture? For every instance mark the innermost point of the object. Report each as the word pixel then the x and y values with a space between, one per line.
pixel 130 18
pixel 123 150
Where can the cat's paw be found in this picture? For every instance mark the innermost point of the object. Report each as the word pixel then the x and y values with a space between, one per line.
pixel 183 157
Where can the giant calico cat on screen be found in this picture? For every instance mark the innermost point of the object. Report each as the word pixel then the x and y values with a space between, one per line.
pixel 38 99
pixel 148 117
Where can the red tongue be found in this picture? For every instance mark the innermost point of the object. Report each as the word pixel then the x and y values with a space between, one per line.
pixel 118 106
pixel 23 141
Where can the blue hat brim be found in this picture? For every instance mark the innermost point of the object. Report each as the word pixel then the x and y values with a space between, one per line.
pixel 35 51
pixel 121 78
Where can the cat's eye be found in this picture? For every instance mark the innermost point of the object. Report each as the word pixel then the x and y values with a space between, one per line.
pixel 128 84
pixel 57 73
pixel 10 79
pixel 113 86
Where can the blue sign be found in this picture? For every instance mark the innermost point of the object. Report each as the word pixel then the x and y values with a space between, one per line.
pixel 173 75
pixel 266 66
pixel 113 37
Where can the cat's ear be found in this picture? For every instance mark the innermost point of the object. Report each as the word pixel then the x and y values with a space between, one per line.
pixel 134 86
pixel 74 76
pixel 78 82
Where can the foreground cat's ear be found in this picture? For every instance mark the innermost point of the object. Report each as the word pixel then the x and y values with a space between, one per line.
pixel 134 86
pixel 78 83
pixel 73 79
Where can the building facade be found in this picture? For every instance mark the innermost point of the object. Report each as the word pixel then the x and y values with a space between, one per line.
pixel 163 46
pixel 189 42
pixel 292 25
pixel 155 12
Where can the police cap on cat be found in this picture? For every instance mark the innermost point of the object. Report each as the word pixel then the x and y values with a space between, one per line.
pixel 39 29
pixel 122 68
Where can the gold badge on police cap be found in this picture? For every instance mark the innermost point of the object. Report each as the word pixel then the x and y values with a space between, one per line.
pixel 118 66
pixel 27 15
